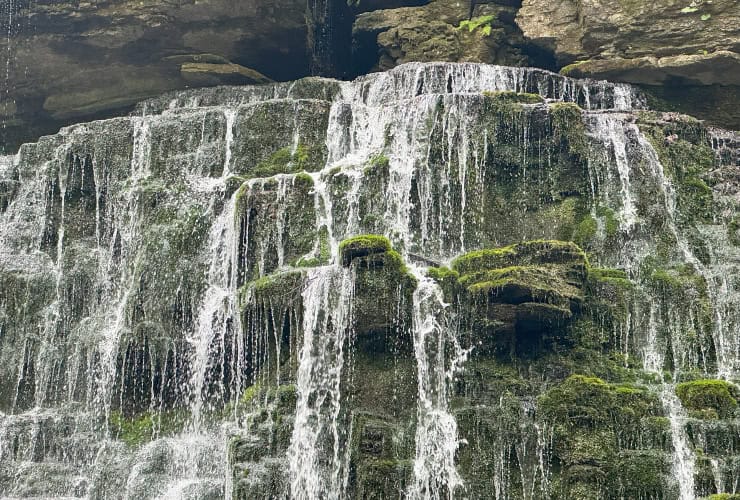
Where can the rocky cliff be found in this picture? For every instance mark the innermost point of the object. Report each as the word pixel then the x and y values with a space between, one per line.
pixel 442 281
pixel 69 61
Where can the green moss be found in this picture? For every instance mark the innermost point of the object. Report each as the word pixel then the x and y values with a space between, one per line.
pixel 591 402
pixel 442 274
pixel 287 396
pixel 481 23
pixel 360 246
pixel 278 281
pixel 686 158
pixel 678 281
pixel 308 262
pixel 585 231
pixel 233 183
pixel 285 161
pixel 534 252
pixel 514 97
pixel 303 178
pixel 324 245
pixel 567 124
pixel 568 69
pixel 379 160
pixel 723 496
pixel 143 427
pixel 281 286
pixel 701 395
pixel 611 224
pixel 515 284
pixel 249 395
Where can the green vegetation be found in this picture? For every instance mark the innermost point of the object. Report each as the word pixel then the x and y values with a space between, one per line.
pixel 446 278
pixel 686 158
pixel 509 96
pixel 360 246
pixel 733 230
pixel 568 69
pixel 611 224
pixel 250 394
pixel 529 252
pixel 380 160
pixel 482 23
pixel 143 427
pixel 717 396
pixel 285 161
pixel 586 231
pixel 278 287
pixel 590 402
pixel 567 124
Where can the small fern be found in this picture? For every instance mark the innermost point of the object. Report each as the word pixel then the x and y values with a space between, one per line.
pixel 482 22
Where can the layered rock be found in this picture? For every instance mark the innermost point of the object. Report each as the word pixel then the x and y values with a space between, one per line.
pixel 179 315
pixel 693 49
pixel 68 60
pixel 443 30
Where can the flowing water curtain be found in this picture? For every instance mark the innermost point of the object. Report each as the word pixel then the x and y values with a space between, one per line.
pixel 374 144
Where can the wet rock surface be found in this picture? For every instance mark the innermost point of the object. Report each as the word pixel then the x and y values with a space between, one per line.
pixel 460 279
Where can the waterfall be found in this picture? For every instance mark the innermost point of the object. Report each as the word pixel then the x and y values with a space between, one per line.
pixel 683 456
pixel 178 318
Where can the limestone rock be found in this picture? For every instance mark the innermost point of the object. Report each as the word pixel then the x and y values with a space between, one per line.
pixel 640 42
pixel 73 60
pixel 433 32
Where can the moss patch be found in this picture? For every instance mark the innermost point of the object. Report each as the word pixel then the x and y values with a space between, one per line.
pixel 143 427
pixel 360 246
pixel 514 97
pixel 286 161
pixel 702 395
pixel 529 252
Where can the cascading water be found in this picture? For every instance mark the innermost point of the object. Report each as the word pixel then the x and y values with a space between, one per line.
pixel 439 357
pixel 318 471
pixel 169 270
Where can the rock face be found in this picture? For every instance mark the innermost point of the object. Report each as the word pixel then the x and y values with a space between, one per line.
pixel 633 30
pixel 433 32
pixel 671 43
pixel 242 292
pixel 67 60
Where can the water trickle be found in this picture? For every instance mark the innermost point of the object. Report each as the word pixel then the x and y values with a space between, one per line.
pixel 318 448
pixel 439 357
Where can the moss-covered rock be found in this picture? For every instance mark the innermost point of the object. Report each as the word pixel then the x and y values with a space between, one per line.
pixel 609 295
pixel 595 425
pixel 514 97
pixel 522 290
pixel 141 428
pixel 530 252
pixel 383 288
pixel 362 246
pixel 590 402
pixel 701 395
